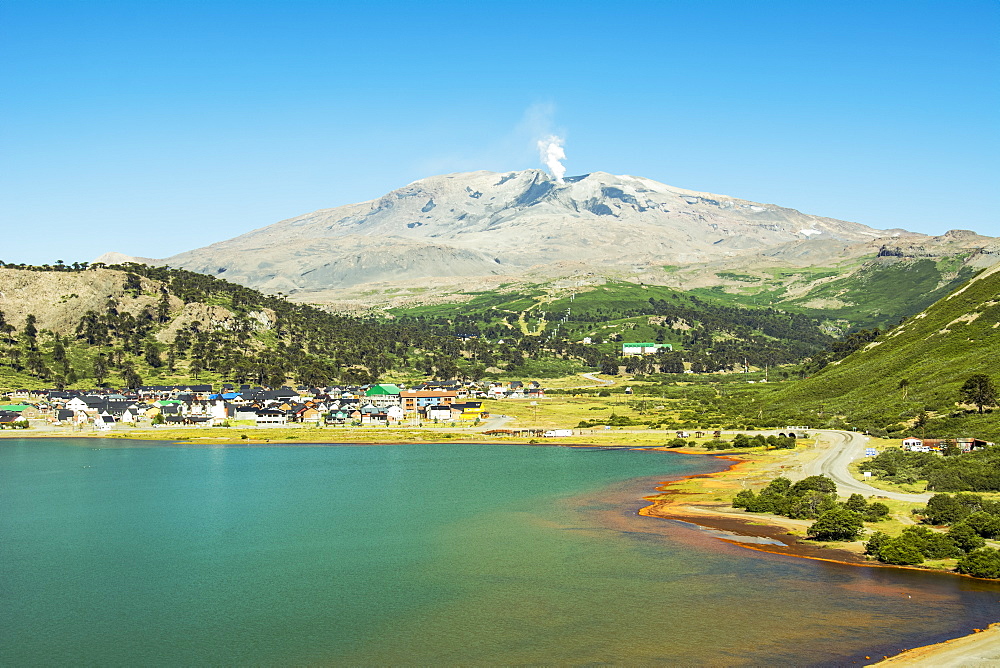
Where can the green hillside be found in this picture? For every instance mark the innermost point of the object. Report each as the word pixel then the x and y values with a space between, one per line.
pixel 912 372
pixel 707 334
pixel 877 293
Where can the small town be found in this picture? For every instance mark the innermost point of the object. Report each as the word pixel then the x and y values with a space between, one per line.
pixel 382 404
pixel 454 403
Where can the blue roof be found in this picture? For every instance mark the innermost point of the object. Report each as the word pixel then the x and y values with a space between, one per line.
pixel 227 395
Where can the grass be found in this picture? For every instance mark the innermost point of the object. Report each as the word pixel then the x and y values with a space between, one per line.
pixel 935 352
pixel 857 468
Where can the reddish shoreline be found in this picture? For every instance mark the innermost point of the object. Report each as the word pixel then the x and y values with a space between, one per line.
pixel 715 517
pixel 978 648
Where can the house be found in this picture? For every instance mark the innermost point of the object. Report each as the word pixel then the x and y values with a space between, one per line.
pixel 271 417
pixel 308 414
pixel 25 410
pixel 644 348
pixel 469 411
pixel 248 412
pixel 970 444
pixel 338 416
pixel 939 444
pixel 372 415
pixel 383 395
pixel 413 401
pixel 394 413
pixel 9 417
pixel 442 412
pixel 77 404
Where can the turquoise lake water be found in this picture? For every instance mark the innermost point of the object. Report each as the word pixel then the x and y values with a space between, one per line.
pixel 132 553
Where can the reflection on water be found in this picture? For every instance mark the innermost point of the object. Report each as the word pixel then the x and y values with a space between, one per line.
pixel 416 554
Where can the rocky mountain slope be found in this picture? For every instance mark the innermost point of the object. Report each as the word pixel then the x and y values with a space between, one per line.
pixel 485 224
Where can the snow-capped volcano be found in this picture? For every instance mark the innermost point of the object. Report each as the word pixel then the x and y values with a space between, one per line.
pixel 488 223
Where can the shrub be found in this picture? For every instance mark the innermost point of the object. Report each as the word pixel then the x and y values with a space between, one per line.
pixel 875 543
pixel 857 503
pixel 983 523
pixel 932 545
pixel 876 511
pixel 818 483
pixel 837 524
pixel 981 563
pixel 900 552
pixel 811 504
pixel 965 537
pixel 946 509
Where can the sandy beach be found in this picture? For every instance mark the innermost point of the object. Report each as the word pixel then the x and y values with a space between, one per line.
pixel 978 650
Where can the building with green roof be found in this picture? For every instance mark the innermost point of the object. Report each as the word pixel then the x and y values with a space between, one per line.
pixel 383 394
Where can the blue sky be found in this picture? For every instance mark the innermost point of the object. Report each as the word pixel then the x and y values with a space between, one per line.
pixel 153 127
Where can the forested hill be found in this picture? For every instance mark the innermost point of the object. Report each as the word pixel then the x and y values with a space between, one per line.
pixel 708 336
pixel 909 379
pixel 125 325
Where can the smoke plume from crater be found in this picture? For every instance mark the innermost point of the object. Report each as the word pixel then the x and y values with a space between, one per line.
pixel 550 150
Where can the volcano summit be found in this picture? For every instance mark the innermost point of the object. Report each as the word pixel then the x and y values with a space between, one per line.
pixel 457 227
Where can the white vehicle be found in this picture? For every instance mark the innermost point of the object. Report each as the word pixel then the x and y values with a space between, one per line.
pixel 555 433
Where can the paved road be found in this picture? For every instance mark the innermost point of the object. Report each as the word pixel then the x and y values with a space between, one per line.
pixel 840 448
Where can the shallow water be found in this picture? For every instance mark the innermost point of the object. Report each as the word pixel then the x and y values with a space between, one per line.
pixel 118 553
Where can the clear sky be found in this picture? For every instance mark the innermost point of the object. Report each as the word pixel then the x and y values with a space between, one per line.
pixel 152 127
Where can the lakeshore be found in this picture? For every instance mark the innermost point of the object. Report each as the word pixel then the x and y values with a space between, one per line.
pixel 688 499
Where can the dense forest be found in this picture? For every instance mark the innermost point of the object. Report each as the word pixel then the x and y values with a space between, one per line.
pixel 269 340
pixel 706 337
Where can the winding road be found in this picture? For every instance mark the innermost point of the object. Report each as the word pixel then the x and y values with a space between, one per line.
pixel 838 450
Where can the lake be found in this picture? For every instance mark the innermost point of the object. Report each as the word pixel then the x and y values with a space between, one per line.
pixel 120 552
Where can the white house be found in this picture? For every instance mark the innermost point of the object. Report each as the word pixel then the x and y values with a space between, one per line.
pixel 77 404
pixel 217 410
pixel 271 416
pixel 394 413
pixel 439 412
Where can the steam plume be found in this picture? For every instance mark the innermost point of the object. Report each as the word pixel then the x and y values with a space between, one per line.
pixel 551 152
